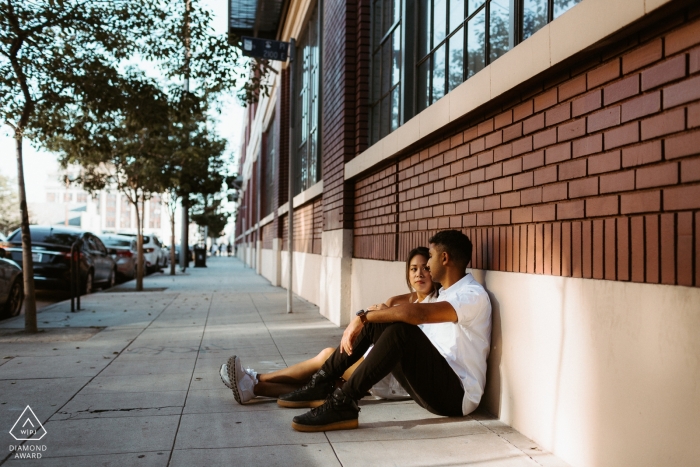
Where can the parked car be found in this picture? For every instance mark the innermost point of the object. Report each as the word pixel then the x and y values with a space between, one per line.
pixel 11 286
pixel 151 251
pixel 123 251
pixel 51 247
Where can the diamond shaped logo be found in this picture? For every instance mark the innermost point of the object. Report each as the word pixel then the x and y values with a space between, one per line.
pixel 28 427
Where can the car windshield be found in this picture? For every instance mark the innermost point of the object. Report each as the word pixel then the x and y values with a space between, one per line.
pixel 49 236
pixel 115 242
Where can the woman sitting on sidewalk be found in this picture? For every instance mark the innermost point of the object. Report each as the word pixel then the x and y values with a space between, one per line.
pixel 247 383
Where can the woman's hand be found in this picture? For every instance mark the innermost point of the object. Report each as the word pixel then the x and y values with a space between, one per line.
pixel 380 306
pixel 349 335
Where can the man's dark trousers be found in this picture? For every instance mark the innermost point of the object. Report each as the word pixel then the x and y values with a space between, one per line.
pixel 406 352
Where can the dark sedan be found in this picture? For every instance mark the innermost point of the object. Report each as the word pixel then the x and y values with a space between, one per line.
pixel 51 248
pixel 11 286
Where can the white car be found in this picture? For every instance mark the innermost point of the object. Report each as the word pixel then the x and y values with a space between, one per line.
pixel 151 251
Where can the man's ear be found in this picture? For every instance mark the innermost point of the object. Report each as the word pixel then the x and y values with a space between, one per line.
pixel 445 258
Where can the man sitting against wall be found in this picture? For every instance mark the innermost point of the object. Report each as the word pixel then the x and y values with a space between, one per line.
pixel 437 351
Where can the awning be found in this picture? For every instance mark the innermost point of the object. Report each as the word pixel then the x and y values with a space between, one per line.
pixel 254 18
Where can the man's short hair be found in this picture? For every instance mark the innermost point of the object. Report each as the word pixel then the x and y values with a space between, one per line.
pixel 455 244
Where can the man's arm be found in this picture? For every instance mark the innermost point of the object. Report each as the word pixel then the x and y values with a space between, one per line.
pixel 411 313
pixel 415 313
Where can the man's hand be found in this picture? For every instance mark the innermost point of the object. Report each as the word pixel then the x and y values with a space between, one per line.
pixel 350 334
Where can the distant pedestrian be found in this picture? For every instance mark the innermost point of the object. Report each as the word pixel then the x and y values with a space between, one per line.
pixel 228 250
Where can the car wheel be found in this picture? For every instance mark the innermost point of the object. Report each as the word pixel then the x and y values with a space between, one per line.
pixel 14 300
pixel 112 279
pixel 88 284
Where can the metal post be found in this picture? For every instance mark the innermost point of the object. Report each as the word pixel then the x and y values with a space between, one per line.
pixel 79 245
pixel 292 152
pixel 72 278
pixel 184 241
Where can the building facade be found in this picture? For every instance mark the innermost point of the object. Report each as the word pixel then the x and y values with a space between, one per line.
pixel 563 137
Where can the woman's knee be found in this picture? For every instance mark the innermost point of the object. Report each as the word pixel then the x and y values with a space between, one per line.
pixel 325 354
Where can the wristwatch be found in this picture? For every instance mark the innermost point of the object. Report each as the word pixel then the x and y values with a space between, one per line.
pixel 362 314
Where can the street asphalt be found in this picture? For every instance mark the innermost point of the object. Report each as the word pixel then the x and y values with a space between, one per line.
pixel 132 380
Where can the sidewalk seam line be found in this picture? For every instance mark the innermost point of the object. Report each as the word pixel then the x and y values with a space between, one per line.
pixel 99 372
pixel 189 386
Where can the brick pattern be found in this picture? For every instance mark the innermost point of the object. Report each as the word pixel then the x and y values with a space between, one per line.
pixel 268 233
pixel 308 228
pixel 375 216
pixel 338 127
pixel 595 177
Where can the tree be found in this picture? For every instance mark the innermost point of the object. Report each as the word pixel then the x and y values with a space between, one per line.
pixel 193 165
pixel 9 205
pixel 187 50
pixel 54 55
pixel 209 214
pixel 120 149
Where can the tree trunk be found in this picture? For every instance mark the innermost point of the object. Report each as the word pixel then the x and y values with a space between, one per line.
pixel 27 263
pixel 139 245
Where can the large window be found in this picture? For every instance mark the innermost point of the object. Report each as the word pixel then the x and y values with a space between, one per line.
pixel 386 60
pixel 308 164
pixel 269 167
pixel 456 39
pixel 452 41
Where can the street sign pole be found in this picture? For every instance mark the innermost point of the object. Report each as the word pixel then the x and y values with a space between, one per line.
pixel 280 51
pixel 292 146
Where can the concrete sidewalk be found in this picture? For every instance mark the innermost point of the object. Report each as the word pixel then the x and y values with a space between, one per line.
pixel 132 380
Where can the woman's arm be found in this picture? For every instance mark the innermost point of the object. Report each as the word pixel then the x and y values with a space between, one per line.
pixel 398 300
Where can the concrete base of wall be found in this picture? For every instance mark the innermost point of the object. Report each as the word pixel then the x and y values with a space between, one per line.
pixel 306 275
pixel 336 273
pixel 602 373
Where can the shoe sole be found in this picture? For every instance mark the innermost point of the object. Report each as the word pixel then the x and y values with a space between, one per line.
pixel 300 404
pixel 232 377
pixel 222 378
pixel 345 425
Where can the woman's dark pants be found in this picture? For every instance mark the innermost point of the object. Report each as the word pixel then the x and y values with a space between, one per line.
pixel 406 352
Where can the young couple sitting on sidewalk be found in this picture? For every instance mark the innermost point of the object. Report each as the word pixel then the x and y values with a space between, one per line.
pixel 434 345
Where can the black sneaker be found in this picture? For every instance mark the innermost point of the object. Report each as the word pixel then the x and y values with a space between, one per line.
pixel 312 394
pixel 338 412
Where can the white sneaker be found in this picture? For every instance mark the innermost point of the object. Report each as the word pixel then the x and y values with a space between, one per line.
pixel 240 381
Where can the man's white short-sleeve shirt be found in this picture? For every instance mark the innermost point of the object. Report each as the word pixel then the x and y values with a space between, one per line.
pixel 466 343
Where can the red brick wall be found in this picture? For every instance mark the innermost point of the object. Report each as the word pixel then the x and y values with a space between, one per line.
pixel 338 110
pixel 267 235
pixel 308 228
pixel 595 177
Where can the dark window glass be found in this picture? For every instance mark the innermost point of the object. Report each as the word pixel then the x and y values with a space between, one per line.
pixel 49 236
pixel 499 28
pixel 454 40
pixel 269 167
pixel 307 84
pixel 535 14
pixel 115 242
pixel 385 103
pixel 476 43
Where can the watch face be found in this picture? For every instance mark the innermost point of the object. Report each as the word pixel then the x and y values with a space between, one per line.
pixel 360 313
